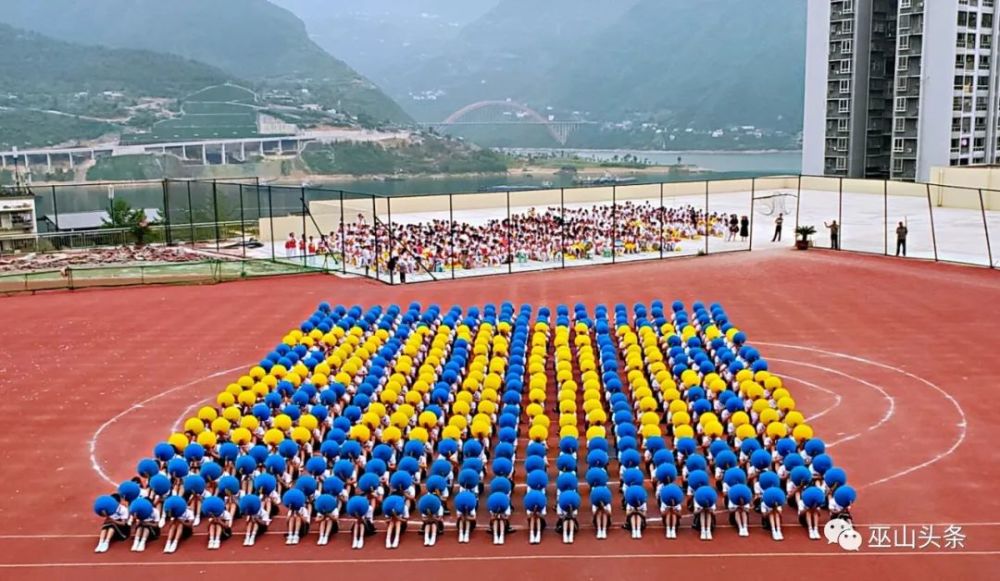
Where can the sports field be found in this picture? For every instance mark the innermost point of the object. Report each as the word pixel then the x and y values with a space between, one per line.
pixel 888 361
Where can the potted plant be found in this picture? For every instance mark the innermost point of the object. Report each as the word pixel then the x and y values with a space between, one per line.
pixel 803 233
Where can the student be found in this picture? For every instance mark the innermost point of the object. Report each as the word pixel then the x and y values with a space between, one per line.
pixel 705 498
pixel 635 510
pixel 396 513
pixel 220 521
pixel 568 508
pixel 812 501
pixel 778 222
pixel 772 503
pixel 327 507
pixel 498 504
pixel 258 518
pixel 534 507
pixel 671 504
pixel 740 501
pixel 465 509
pixel 147 528
pixel 359 509
pixel 901 232
pixel 299 515
pixel 180 522
pixel 432 512
pixel 290 245
pixel 117 522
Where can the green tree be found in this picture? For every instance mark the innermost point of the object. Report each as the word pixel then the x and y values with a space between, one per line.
pixel 122 215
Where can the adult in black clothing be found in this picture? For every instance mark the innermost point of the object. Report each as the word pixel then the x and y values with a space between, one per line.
pixel 778 222
pixel 901 232
pixel 834 234
pixel 744 228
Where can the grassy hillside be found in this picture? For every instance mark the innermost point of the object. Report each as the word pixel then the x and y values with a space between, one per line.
pixel 251 39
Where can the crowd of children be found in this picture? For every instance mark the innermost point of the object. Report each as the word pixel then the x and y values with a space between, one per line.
pixel 386 415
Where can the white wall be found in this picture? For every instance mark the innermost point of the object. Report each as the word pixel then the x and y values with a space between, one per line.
pixel 817 61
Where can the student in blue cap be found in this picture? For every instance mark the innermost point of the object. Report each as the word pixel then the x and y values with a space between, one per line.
pixel 498 504
pixel 117 521
pixel 465 509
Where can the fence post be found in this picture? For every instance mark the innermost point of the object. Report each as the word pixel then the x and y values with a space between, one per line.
pixel 986 228
pixel 243 225
pixel 798 203
pixel 451 233
pixel 753 202
pixel 510 239
pixel 55 206
pixel 930 211
pixel 343 236
pixel 166 214
pixel 305 247
pixel 257 189
pixel 614 224
pixel 374 236
pixel 392 245
pixel 562 227
pixel 215 212
pixel 706 218
pixel 662 213
pixel 840 213
pixel 190 213
pixel 270 215
pixel 885 217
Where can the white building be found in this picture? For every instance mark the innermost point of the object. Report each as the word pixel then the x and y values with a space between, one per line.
pixel 895 87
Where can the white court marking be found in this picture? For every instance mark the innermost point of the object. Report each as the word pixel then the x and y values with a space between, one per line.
pixel 885 417
pixel 963 423
pixel 478 559
pixel 97 434
pixel 836 396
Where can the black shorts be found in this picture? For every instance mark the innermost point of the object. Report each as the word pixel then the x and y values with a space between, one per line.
pixel 303 529
pixel 226 533
pixel 186 531
pixel 154 531
pixel 121 531
pixel 261 528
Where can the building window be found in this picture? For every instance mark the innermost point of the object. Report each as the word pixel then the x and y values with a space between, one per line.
pixel 841 163
pixel 900 125
pixel 904 42
pixel 901 104
pixel 848 7
pixel 845 85
pixel 843 125
pixel 845 66
pixel 897 145
pixel 984 61
pixel 985 41
pixel 846 46
pixel 904 3
pixel 847 27
pixel 841 144
pixel 904 62
pixel 844 106
pixel 897 165
pixel 901 82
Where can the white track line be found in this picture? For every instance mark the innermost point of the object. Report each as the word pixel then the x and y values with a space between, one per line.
pixel 836 396
pixel 885 417
pixel 475 559
pixel 963 423
pixel 97 434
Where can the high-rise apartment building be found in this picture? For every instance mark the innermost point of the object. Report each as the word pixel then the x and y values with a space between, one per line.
pixel 895 87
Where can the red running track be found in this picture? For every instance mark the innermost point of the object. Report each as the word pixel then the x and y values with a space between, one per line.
pixel 896 359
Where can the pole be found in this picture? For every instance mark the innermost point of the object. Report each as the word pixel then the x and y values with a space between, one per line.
pixel 343 236
pixel 305 248
pixel 375 236
pixel 798 202
pixel 451 232
pixel 215 212
pixel 270 213
pixel 662 213
pixel 885 217
pixel 562 226
pixel 392 245
pixel 166 214
pixel 706 218
pixel 753 197
pixel 840 212
pixel 986 228
pixel 614 223
pixel 191 213
pixel 243 224
pixel 930 211
pixel 55 206
pixel 510 240
pixel 257 188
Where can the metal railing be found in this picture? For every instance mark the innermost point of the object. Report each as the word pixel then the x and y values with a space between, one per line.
pixel 434 237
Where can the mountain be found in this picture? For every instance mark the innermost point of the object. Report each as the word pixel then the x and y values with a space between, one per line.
pixel 381 36
pixel 252 39
pixel 708 64
pixel 508 52
pixel 32 64
pixel 56 92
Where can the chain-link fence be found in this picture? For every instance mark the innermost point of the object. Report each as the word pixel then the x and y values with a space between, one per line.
pixel 411 238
